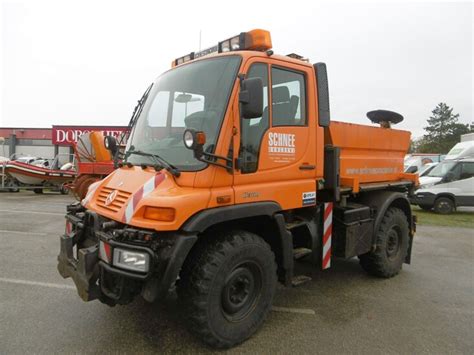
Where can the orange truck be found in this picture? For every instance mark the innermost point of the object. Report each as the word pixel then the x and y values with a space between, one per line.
pixel 233 170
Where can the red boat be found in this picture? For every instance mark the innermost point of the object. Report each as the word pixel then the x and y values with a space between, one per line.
pixel 41 175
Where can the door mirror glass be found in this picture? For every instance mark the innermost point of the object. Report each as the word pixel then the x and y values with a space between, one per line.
pixel 251 98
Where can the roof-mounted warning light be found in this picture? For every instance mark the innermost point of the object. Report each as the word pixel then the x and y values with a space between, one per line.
pixel 255 40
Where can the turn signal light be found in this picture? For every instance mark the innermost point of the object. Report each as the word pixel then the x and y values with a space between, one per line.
pixel 201 138
pixel 164 214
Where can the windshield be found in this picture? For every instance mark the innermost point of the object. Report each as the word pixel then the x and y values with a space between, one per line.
pixel 192 96
pixel 441 169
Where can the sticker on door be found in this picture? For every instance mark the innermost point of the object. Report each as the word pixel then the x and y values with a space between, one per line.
pixel 309 198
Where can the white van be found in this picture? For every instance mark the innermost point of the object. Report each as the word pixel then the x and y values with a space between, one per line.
pixel 449 185
pixel 461 150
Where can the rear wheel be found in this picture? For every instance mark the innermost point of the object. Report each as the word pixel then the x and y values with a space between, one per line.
pixel 391 245
pixel 227 288
pixel 63 189
pixel 12 186
pixel 444 205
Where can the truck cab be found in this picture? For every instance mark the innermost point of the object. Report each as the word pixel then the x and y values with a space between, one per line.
pixel 232 171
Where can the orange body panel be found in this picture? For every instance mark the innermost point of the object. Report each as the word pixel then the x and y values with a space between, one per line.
pixel 368 154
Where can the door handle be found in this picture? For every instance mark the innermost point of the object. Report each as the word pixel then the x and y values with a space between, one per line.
pixel 307 167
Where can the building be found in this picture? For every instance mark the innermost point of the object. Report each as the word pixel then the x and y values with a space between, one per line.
pixel 47 142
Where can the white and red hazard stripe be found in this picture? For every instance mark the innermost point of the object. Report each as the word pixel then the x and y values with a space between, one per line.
pixel 147 187
pixel 90 192
pixel 327 236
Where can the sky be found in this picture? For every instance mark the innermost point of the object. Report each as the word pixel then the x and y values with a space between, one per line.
pixel 88 62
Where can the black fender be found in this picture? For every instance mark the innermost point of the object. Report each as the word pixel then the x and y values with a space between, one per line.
pixel 283 246
pixel 202 220
pixel 380 201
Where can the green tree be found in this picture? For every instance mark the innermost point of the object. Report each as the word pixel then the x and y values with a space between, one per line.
pixel 443 131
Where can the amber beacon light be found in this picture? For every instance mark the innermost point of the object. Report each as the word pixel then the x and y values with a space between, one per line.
pixel 255 40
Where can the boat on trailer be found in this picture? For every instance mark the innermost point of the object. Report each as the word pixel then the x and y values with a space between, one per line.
pixel 39 174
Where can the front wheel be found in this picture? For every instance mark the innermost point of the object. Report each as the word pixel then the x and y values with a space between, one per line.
pixel 226 287
pixel 391 245
pixel 444 205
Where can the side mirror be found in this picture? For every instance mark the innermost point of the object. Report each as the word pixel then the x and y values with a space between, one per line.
pixel 111 145
pixel 412 169
pixel 251 98
pixel 323 94
pixel 194 140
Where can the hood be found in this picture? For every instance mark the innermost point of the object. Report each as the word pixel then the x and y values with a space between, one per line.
pixel 427 181
pixel 125 194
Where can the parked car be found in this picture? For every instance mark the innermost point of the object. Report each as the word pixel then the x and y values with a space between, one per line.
pixel 425 170
pixel 414 163
pixel 449 185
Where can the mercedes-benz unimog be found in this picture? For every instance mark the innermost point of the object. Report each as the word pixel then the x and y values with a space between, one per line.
pixel 233 170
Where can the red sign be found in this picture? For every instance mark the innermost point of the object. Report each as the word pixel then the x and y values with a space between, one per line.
pixel 67 135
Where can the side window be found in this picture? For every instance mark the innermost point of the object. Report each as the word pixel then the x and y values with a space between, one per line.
pixel 455 172
pixel 289 98
pixel 252 130
pixel 467 171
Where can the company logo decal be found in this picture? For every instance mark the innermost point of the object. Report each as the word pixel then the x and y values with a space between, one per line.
pixel 281 147
pixel 309 198
pixel 281 143
pixel 111 197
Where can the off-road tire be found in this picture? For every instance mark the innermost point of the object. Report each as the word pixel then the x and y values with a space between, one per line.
pixel 208 298
pixel 444 205
pixel 391 245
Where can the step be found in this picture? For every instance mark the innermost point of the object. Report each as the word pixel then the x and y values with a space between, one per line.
pixel 300 280
pixel 298 253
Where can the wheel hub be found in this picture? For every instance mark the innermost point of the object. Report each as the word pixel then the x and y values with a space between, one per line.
pixel 240 291
pixel 393 243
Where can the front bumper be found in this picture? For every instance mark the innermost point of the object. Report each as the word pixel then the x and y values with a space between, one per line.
pixel 95 279
pixel 423 198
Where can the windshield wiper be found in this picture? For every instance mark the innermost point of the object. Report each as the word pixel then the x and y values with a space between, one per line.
pixel 159 160
pixel 138 108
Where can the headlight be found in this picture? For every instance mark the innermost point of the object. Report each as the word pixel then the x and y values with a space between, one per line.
pixel 131 260
pixel 188 138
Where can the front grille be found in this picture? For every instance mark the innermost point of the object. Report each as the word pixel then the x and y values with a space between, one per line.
pixel 117 203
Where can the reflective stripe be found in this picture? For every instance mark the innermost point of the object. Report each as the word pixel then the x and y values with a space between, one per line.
pixel 148 187
pixel 327 235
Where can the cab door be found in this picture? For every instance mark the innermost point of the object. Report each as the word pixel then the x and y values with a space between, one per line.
pixel 277 151
pixel 462 186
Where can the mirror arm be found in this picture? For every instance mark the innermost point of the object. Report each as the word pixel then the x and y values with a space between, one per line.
pixel 205 158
